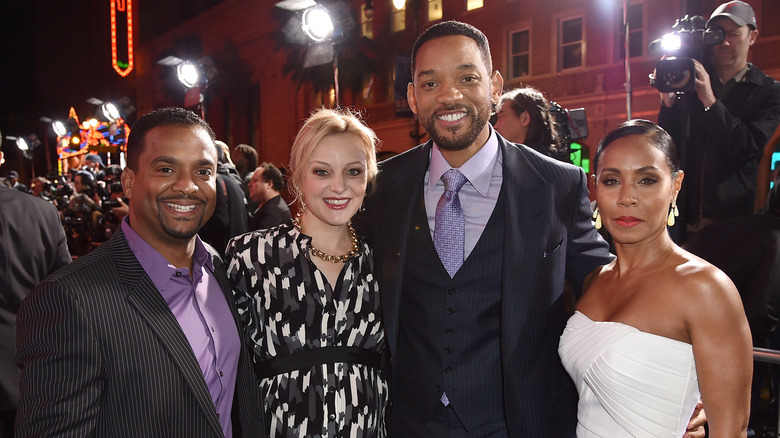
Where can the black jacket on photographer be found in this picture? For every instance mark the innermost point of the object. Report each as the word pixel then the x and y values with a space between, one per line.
pixel 724 144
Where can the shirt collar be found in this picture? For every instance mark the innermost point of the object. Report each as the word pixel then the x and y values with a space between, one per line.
pixel 477 169
pixel 156 266
pixel 740 76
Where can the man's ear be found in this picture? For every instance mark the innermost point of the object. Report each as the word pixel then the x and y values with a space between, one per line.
pixel 496 87
pixel 127 182
pixel 410 97
pixel 752 36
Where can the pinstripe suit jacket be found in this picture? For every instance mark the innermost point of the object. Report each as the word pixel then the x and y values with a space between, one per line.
pixel 548 236
pixel 102 355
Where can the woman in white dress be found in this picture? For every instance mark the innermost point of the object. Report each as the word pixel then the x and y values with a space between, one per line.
pixel 658 327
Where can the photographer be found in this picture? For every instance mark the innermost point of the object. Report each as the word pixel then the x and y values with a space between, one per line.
pixel 721 128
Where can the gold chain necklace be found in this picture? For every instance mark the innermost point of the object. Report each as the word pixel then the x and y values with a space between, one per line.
pixel 327 257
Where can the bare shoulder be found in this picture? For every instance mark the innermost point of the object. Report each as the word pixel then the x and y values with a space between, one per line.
pixel 709 288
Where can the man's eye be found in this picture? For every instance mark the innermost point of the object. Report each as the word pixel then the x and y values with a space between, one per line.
pixel 428 84
pixel 206 172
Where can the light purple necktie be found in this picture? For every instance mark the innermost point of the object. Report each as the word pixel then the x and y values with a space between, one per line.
pixel 449 234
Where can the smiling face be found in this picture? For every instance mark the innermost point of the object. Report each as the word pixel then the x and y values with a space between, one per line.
pixel 732 52
pixel 173 191
pixel 334 181
pixel 452 93
pixel 634 188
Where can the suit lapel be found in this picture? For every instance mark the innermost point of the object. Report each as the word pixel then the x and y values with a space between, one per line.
pixel 527 206
pixel 146 300
pixel 406 186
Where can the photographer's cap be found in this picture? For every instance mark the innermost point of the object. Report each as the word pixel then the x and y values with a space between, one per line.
pixel 96 159
pixel 737 11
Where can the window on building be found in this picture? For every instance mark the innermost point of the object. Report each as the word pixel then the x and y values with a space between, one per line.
pixel 570 44
pixel 474 4
pixel 366 23
pixel 434 10
pixel 519 53
pixel 399 15
pixel 636 40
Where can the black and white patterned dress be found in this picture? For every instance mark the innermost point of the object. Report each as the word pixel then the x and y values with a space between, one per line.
pixel 285 306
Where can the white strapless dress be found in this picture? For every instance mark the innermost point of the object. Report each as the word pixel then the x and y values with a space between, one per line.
pixel 631 383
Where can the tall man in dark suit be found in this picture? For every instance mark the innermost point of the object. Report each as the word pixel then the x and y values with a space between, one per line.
pixel 139 337
pixel 265 189
pixel 32 246
pixel 475 354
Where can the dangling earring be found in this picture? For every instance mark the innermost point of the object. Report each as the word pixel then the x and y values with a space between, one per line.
pixel 673 213
pixel 597 218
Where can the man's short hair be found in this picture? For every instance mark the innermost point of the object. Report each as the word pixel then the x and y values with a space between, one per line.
pixel 136 141
pixel 454 28
pixel 249 153
pixel 273 175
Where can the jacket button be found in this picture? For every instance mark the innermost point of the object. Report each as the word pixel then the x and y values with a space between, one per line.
pixel 332 417
pixel 450 310
pixel 448 370
pixel 448 331
pixel 448 350
pixel 452 291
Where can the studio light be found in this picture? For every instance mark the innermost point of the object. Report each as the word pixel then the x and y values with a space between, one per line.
pixel 317 24
pixel 188 74
pixel 21 143
pixel 59 128
pixel 110 111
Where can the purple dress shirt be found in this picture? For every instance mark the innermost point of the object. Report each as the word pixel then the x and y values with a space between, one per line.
pixel 200 307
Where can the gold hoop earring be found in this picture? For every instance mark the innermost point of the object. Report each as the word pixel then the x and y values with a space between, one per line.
pixel 597 218
pixel 673 213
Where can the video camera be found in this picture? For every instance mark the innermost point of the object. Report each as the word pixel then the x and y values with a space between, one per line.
pixel 687 41
pixel 570 124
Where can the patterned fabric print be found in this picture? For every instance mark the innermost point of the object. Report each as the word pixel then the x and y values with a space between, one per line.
pixel 283 307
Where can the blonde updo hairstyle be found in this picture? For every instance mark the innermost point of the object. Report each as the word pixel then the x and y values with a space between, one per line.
pixel 324 122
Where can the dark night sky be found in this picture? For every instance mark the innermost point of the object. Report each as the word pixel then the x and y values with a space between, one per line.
pixel 55 54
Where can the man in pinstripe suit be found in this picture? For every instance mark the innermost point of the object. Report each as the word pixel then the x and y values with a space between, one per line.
pixel 139 338
pixel 474 353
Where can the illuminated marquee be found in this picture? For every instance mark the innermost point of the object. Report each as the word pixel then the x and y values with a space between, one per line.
pixel 93 136
pixel 123 9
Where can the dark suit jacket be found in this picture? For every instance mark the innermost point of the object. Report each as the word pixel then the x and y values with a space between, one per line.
pixel 32 246
pixel 102 355
pixel 230 217
pixel 548 235
pixel 274 212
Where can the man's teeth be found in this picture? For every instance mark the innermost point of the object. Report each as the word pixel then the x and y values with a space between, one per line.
pixel 182 208
pixel 337 201
pixel 452 117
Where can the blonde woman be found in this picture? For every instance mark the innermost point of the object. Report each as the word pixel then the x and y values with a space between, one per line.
pixel 308 300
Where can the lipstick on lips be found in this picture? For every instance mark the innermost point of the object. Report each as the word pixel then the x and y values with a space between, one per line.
pixel 627 221
pixel 337 203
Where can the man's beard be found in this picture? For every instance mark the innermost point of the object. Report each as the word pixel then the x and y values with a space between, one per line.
pixel 176 233
pixel 458 143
